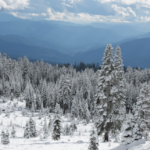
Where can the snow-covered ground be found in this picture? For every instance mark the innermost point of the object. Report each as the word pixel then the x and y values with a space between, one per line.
pixel 79 141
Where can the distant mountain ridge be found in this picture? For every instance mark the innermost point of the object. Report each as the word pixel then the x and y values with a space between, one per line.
pixel 135 53
pixel 16 50
pixel 64 42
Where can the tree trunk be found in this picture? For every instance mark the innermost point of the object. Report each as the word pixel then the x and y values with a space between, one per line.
pixel 106 137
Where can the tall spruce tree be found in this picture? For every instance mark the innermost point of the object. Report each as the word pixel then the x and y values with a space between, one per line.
pixel 118 92
pixel 103 103
pixel 143 107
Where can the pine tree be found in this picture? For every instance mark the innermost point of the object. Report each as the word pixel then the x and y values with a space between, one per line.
pixel 93 145
pixel 57 124
pixel 5 138
pixel 44 95
pixel 137 131
pixel 143 107
pixel 73 109
pixel 118 92
pixel 13 132
pixel 87 115
pixel 0 110
pixel 103 103
pixel 33 132
pixel 66 130
pixel 127 136
pixel 73 125
pixel 50 123
pixel 27 130
pixel 2 136
pixel 45 129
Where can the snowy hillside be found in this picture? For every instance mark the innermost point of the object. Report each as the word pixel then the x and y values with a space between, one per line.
pixel 78 141
pixel 45 106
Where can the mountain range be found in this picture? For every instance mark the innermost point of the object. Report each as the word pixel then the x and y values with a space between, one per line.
pixel 63 42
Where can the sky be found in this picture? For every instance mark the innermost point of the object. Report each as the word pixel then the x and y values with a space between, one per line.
pixel 125 11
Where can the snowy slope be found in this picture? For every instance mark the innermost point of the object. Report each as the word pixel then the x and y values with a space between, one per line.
pixel 79 141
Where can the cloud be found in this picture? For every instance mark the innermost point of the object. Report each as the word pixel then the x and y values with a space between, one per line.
pixel 124 11
pixel 79 10
pixel 13 4
pixel 142 3
pixel 84 17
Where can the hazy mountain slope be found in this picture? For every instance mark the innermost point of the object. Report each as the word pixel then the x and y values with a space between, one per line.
pixel 16 50
pixel 135 53
pixel 70 38
pixel 29 41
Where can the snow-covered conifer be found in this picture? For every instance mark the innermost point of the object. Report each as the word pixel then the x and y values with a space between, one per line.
pixel 73 125
pixel 13 132
pixel 6 138
pixel 93 145
pixel 73 109
pixel 0 110
pixel 2 136
pixel 103 103
pixel 143 107
pixel 45 129
pixel 127 136
pixel 57 124
pixel 27 130
pixel 87 114
pixel 33 132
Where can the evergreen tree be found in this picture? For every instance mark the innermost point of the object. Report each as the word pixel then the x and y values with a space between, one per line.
pixel 13 132
pixel 73 109
pixel 45 129
pixel 2 136
pixel 66 130
pixel 143 107
pixel 87 113
pixel 118 91
pixel 73 126
pixel 5 138
pixel 27 130
pixel 33 132
pixel 127 136
pixel 93 145
pixel 0 110
pixel 103 103
pixel 57 124
pixel 137 131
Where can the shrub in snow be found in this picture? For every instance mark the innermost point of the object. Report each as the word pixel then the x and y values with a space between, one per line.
pixel 7 112
pixel 67 130
pixel 56 124
pixel 73 125
pixel 24 112
pixel 40 114
pixel 5 138
pixel 93 145
pixel 80 142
